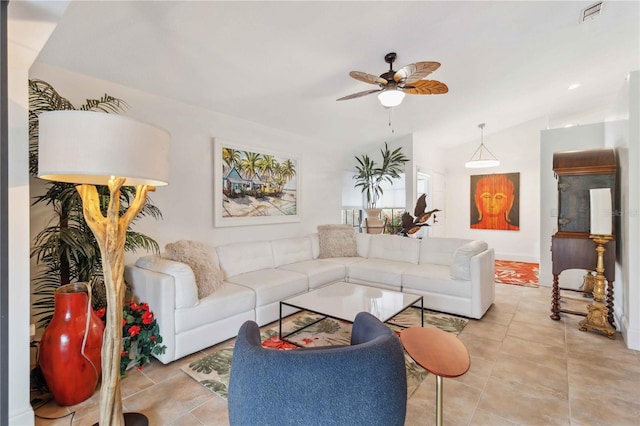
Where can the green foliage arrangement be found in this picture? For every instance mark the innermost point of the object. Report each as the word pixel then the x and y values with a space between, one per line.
pixel 66 250
pixel 370 175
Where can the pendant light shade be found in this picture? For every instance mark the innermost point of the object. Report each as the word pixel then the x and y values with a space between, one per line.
pixel 391 97
pixel 482 157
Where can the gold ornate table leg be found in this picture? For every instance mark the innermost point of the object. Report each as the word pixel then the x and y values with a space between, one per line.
pixel 598 312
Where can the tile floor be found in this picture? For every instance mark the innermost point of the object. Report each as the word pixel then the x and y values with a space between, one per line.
pixel 525 370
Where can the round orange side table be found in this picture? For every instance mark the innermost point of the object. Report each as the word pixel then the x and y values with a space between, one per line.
pixel 438 352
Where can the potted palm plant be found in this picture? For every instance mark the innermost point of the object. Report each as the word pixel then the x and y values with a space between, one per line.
pixel 370 176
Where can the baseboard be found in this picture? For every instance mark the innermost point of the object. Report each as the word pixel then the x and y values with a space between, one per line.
pixel 26 416
pixel 631 336
pixel 517 257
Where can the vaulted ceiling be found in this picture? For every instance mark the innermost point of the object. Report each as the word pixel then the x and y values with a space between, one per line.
pixel 284 64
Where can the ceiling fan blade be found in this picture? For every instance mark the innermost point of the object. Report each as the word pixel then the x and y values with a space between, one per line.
pixel 415 72
pixel 426 87
pixel 367 78
pixel 359 94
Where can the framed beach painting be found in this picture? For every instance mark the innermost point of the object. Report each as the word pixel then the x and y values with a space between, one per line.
pixel 495 202
pixel 253 186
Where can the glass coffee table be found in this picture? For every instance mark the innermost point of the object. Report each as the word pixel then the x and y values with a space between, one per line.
pixel 343 301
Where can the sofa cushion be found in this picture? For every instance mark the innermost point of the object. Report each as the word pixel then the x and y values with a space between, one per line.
pixel 436 279
pixel 230 300
pixel 202 262
pixel 387 272
pixel 319 272
pixel 239 258
pixel 362 244
pixel 394 247
pixel 337 241
pixel 183 278
pixel 461 265
pixel 439 250
pixel 272 285
pixel 291 250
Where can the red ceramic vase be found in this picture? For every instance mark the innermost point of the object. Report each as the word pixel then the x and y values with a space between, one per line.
pixel 71 364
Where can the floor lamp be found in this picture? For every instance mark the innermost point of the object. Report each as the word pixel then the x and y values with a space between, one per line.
pixel 93 148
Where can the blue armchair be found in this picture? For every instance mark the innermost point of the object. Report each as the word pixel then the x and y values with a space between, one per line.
pixel 361 384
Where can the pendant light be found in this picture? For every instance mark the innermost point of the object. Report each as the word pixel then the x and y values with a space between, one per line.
pixel 482 157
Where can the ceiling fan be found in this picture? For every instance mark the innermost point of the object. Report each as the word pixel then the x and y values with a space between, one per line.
pixel 394 84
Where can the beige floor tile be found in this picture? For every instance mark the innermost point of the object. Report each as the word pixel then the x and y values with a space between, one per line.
pixel 540 353
pixel 212 412
pixel 594 408
pixel 478 373
pixel 537 333
pixel 538 376
pixel 168 400
pixel 485 418
pixel 498 315
pixel 480 347
pixel 523 404
pixel 487 330
pixel 610 380
pixel 187 420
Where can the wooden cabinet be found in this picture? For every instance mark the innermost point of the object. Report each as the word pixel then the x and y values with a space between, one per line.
pixel 571 248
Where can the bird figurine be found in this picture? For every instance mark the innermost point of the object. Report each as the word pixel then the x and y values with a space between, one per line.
pixel 410 224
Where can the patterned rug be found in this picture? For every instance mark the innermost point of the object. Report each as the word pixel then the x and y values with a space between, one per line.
pixel 212 371
pixel 517 273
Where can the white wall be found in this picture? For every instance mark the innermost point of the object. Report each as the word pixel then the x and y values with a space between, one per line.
pixel 517 149
pixel 624 136
pixel 429 158
pixel 29 26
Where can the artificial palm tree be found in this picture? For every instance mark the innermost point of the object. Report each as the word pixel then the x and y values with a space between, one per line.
pixel 66 250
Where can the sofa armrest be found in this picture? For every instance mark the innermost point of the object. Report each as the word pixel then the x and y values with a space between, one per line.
pixel 483 286
pixel 158 290
pixel 186 290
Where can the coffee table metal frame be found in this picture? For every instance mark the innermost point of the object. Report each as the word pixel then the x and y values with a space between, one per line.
pixel 308 303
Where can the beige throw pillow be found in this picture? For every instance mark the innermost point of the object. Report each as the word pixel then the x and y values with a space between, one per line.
pixel 337 241
pixel 208 275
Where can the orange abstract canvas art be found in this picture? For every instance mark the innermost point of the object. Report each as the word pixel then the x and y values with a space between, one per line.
pixel 495 202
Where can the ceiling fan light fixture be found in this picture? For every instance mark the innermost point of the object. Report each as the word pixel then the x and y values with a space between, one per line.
pixel 391 97
pixel 482 157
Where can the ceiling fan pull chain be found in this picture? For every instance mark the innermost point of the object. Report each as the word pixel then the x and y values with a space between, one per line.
pixel 392 129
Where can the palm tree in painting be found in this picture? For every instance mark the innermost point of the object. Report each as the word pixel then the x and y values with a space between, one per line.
pixel 231 158
pixel 288 169
pixel 268 166
pixel 250 164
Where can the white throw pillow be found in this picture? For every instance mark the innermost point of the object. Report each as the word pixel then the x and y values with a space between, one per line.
pixel 199 257
pixel 337 241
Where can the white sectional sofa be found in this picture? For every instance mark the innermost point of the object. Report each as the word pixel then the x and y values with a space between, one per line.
pixel 454 276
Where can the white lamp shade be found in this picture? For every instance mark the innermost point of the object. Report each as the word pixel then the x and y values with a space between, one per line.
pixel 391 97
pixel 91 147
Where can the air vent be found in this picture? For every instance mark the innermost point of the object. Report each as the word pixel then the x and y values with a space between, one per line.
pixel 591 12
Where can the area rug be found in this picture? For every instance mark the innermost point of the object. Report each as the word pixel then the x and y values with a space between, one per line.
pixel 212 371
pixel 517 273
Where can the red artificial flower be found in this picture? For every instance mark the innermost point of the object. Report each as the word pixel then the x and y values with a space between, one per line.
pixel 123 353
pixel 134 330
pixel 153 337
pixel 124 322
pixel 147 317
pixel 145 306
pixel 134 306
pixel 100 312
